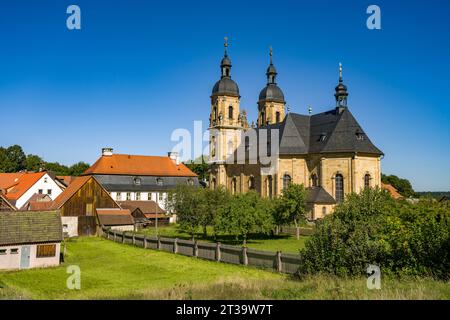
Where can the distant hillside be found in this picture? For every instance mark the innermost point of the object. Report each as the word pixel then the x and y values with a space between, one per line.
pixel 434 194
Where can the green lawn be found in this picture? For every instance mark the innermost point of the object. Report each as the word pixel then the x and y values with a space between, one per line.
pixel 116 271
pixel 284 242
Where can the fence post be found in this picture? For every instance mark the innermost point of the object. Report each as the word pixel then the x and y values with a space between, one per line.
pixel 279 265
pixel 195 249
pixel 218 253
pixel 114 238
pixel 175 245
pixel 123 236
pixel 158 244
pixel 145 241
pixel 297 233
pixel 134 240
pixel 244 256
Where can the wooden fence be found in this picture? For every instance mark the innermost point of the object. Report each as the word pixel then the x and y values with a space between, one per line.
pixel 278 261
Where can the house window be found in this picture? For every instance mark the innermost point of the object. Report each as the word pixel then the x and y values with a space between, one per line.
pixel 367 181
pixel 49 192
pixel 118 196
pixel 149 196
pixel 314 180
pixel 339 182
pixel 230 112
pixel 40 191
pixel 286 181
pixel 89 207
pixel 2 252
pixel 128 196
pixel 45 180
pixel 15 251
pixel 138 196
pixel 46 250
pixel 190 182
pixel 251 183
pixel 159 181
pixel 160 196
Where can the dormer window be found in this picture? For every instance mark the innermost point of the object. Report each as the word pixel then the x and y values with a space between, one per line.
pixel 323 136
pixel 359 135
pixel 137 181
pixel 159 181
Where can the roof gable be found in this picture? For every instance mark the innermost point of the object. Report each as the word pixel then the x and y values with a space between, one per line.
pixel 22 184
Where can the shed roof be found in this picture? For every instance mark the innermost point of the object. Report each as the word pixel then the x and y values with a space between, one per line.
pixel 114 217
pixel 146 207
pixel 22 227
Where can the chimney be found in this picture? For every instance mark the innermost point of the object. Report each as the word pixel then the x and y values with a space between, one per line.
pixel 174 157
pixel 107 152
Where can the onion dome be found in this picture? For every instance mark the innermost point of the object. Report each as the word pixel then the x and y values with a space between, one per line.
pixel 341 91
pixel 225 86
pixel 271 92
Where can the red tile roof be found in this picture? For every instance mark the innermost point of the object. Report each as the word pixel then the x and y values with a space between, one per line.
pixel 391 189
pixel 16 184
pixel 123 164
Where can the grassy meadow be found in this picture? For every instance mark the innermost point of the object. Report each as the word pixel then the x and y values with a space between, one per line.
pixel 115 271
pixel 283 242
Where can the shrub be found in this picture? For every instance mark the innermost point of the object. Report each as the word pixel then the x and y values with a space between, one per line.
pixel 371 228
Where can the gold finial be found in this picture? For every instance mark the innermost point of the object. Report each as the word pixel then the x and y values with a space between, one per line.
pixel 340 71
pixel 310 110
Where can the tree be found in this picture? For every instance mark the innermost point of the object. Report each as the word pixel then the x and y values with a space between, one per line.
pixel 12 159
pixel 244 214
pixel 291 206
pixel 78 168
pixel 199 167
pixel 214 200
pixel 403 186
pixel 34 163
pixel 188 203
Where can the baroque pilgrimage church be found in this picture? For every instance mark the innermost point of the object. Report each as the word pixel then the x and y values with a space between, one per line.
pixel 329 153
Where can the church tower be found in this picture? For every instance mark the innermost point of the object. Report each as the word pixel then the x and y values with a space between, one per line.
pixel 271 104
pixel 226 122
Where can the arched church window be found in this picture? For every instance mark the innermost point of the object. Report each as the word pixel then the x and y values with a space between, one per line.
pixel 213 146
pixel 367 181
pixel 314 180
pixel 230 112
pixel 233 186
pixel 263 118
pixel 324 211
pixel 269 187
pixel 214 113
pixel 251 183
pixel 277 116
pixel 286 181
pixel 339 190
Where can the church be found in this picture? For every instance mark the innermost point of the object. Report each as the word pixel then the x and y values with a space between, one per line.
pixel 329 152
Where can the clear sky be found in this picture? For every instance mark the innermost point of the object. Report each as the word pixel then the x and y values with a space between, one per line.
pixel 137 70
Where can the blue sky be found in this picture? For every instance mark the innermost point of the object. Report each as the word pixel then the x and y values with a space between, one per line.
pixel 137 70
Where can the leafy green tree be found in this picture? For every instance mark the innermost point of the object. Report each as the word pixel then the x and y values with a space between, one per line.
pixel 34 163
pixel 78 168
pixel 244 214
pixel 291 205
pixel 188 202
pixel 57 168
pixel 12 159
pixel 403 186
pixel 213 201
pixel 199 167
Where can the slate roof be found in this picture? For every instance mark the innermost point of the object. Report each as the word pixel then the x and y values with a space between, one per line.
pixel 319 195
pixel 21 227
pixel 114 217
pixel 328 132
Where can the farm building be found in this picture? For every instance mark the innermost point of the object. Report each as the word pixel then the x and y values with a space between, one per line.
pixel 116 219
pixel 145 212
pixel 30 239
pixel 5 205
pixel 78 204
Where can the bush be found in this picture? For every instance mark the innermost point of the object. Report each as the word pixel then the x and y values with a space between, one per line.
pixel 371 228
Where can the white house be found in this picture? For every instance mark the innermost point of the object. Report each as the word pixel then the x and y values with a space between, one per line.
pixel 19 187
